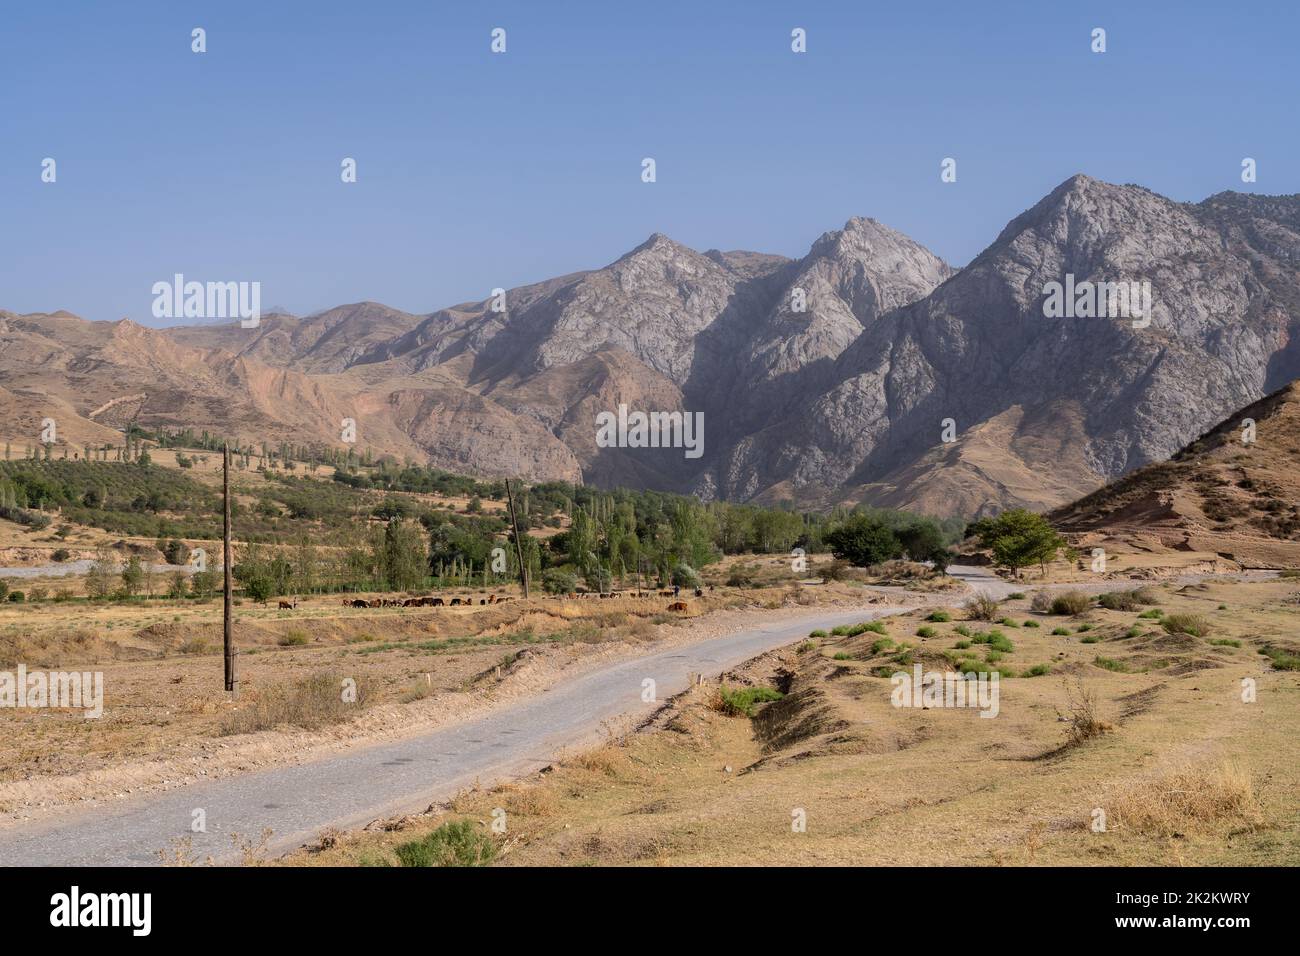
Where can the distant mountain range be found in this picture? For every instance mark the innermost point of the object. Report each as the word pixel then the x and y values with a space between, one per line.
pixel 845 399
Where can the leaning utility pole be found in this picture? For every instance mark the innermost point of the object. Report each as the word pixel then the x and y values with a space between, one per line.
pixel 519 545
pixel 227 634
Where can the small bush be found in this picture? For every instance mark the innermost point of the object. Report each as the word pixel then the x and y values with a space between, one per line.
pixel 1016 596
pixel 1031 624
pixel 962 629
pixel 1081 713
pixel 1118 601
pixel 925 632
pixel 1042 603
pixel 1060 631
pixel 292 638
pixel 456 843
pixel 1187 799
pixel 818 633
pixel 1282 660
pixel 1110 664
pixel 962 645
pixel 939 617
pixel 740 701
pixel 1007 622
pixel 1038 670
pixel 1192 624
pixel 982 608
pixel 1152 614
pixel 882 645
pixel 842 656
pixel 1071 602
pixel 1090 639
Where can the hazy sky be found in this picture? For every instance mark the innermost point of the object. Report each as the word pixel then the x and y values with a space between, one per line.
pixel 479 170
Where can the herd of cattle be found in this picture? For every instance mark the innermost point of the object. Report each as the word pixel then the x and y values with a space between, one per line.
pixel 497 599
pixel 421 602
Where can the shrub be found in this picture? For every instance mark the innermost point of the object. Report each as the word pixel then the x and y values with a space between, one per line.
pixel 456 843
pixel 1111 664
pixel 925 632
pixel 16 597
pixel 1081 713
pixel 1118 601
pixel 842 656
pixel 1031 624
pixel 1282 660
pixel 962 629
pixel 741 577
pixel 559 581
pixel 1007 622
pixel 740 701
pixel 1038 670
pixel 982 608
pixel 309 703
pixel 817 633
pixel 939 617
pixel 685 576
pixel 1071 602
pixel 1016 596
pixel 1090 639
pixel 1042 603
pixel 962 645
pixel 884 644
pixel 1192 624
pixel 1155 612
pixel 292 638
pixel 61 554
pixel 1188 798
pixel 1061 631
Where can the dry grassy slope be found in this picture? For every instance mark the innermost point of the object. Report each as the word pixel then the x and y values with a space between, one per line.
pixel 997 464
pixel 66 368
pixel 1186 770
pixel 1217 495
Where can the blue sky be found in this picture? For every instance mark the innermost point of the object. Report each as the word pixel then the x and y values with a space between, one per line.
pixel 479 170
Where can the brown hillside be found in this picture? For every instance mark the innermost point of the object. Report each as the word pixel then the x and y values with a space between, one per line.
pixel 1219 494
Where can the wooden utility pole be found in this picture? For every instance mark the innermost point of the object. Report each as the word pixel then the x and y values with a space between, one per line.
pixel 519 544
pixel 227 633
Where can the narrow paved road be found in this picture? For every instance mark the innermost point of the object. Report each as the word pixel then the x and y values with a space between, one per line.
pixel 351 789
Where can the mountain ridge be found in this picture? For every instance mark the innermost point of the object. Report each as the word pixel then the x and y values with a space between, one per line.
pixel 824 379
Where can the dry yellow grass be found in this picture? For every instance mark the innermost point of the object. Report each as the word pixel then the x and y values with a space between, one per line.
pixel 1187 771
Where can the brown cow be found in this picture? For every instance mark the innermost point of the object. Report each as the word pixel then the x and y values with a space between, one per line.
pixel 677 606
pixel 286 606
pixel 357 602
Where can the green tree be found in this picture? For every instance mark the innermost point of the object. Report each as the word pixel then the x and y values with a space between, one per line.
pixel 1019 538
pixel 863 540
pixel 132 576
